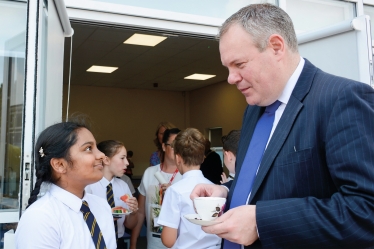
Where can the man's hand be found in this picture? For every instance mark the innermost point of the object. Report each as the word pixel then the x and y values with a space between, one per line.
pixel 238 225
pixel 205 190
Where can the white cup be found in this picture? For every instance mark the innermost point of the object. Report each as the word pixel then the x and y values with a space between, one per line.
pixel 209 208
pixel 160 178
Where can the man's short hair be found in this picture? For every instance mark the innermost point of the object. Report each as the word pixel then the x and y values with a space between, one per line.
pixel 261 21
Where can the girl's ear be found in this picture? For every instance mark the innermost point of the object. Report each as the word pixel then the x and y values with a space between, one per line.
pixel 106 160
pixel 59 165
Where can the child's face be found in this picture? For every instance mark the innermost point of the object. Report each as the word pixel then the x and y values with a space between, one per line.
pixel 118 163
pixel 87 166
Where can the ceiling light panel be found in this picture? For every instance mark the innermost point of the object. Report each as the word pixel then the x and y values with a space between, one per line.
pixel 144 40
pixel 197 76
pixel 102 69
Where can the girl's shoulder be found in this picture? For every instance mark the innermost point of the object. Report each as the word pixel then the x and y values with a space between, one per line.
pixel 121 183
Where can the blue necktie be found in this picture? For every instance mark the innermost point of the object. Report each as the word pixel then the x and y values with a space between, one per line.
pixel 97 236
pixel 110 199
pixel 252 161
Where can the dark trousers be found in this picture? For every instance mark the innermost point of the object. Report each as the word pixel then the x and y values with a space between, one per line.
pixel 121 243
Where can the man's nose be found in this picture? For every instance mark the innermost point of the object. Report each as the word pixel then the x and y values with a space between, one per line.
pixel 234 78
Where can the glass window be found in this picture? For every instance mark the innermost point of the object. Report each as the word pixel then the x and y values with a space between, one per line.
pixel 308 15
pixel 12 77
pixel 369 10
pixel 212 8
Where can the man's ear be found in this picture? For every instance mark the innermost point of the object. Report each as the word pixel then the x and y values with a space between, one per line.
pixel 277 44
pixel 59 165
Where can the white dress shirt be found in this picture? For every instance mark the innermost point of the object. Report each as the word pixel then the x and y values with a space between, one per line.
pixel 55 221
pixel 177 203
pixel 286 94
pixel 150 188
pixel 120 188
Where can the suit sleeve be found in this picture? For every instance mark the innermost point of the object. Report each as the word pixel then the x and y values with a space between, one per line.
pixel 346 218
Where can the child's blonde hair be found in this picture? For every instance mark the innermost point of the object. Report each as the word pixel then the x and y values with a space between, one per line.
pixel 190 145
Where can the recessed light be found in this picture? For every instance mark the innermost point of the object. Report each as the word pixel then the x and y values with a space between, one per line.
pixel 144 40
pixel 102 69
pixel 197 76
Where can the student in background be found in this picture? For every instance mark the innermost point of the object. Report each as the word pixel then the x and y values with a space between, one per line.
pixel 151 193
pixel 67 158
pixel 189 147
pixel 112 189
pixel 230 144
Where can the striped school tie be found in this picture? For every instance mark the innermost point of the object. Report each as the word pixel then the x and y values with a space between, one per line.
pixel 110 199
pixel 97 236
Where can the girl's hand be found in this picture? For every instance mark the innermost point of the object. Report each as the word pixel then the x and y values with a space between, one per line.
pixel 133 204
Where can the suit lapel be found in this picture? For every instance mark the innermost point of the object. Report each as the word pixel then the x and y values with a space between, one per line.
pixel 285 124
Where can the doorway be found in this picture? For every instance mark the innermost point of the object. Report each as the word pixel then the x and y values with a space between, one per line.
pixel 148 85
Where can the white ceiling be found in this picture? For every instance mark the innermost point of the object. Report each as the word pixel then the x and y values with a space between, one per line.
pixel 139 66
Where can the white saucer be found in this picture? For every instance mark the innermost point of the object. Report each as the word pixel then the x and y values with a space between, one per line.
pixel 195 218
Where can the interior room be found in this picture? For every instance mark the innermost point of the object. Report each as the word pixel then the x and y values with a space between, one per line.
pixel 147 86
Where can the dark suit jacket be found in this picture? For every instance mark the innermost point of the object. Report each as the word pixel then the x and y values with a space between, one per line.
pixel 315 184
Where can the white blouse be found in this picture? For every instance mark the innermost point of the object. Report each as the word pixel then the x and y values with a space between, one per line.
pixel 119 188
pixel 55 221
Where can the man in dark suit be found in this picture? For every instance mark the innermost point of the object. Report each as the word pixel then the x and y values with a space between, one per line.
pixel 314 186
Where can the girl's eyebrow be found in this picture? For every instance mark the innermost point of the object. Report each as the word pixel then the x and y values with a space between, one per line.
pixel 87 143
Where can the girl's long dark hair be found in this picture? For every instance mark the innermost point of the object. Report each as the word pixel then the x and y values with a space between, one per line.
pixel 54 142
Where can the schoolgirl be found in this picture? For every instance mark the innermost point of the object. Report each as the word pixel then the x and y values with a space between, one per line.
pixel 112 188
pixel 66 157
